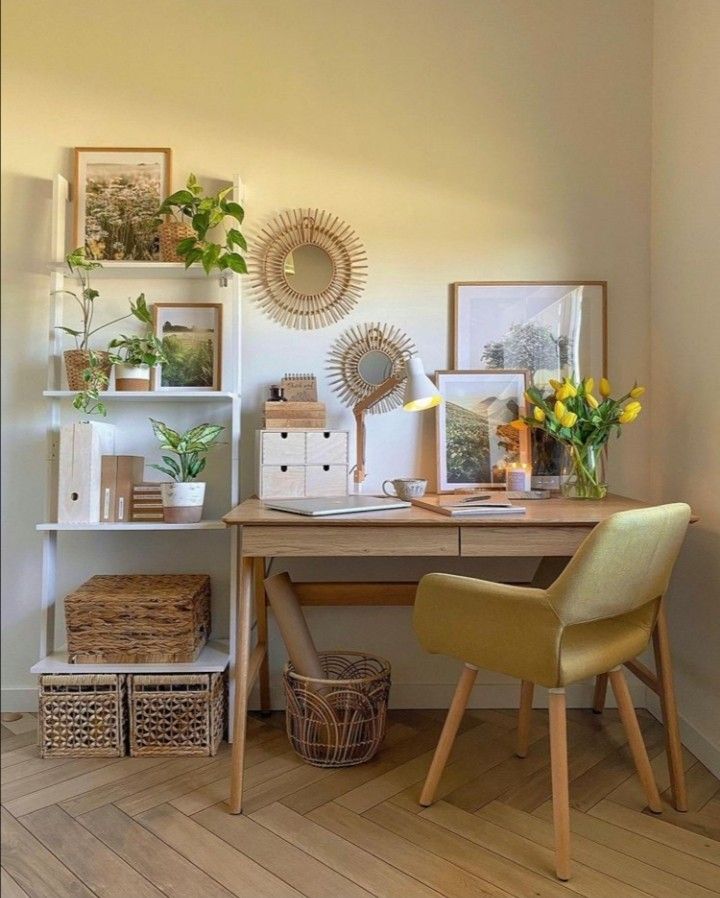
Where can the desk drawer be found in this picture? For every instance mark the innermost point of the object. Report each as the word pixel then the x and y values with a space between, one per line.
pixel 335 541
pixel 521 541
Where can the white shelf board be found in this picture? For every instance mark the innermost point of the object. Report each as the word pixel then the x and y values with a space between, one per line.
pixel 148 395
pixel 133 525
pixel 213 657
pixel 147 270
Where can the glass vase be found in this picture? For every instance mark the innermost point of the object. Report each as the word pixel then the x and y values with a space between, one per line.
pixel 584 473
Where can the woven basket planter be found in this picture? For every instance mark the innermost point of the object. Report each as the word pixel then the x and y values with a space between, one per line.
pixel 171 233
pixel 338 721
pixel 176 714
pixel 77 360
pixel 138 619
pixel 82 716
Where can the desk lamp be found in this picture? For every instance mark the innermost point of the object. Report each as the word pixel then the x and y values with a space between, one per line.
pixel 420 394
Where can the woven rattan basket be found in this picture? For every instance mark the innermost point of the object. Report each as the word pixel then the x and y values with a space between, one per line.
pixel 176 714
pixel 138 619
pixel 77 360
pixel 171 233
pixel 82 716
pixel 338 721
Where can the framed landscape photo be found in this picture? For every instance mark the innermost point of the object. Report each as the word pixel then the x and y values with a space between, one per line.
pixel 117 194
pixel 192 338
pixel 475 439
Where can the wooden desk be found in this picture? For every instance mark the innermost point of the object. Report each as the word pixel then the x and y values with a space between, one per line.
pixel 551 529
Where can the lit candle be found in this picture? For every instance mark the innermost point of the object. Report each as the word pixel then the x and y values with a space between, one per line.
pixel 518 477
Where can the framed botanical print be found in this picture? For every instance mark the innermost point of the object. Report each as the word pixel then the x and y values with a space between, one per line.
pixel 475 439
pixel 117 194
pixel 191 334
pixel 550 328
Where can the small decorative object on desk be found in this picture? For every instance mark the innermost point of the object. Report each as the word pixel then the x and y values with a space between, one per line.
pixel 583 424
pixel 299 387
pixel 405 488
pixel 518 476
pixel 276 394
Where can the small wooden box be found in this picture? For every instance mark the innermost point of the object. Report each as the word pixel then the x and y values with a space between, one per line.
pixel 82 716
pixel 295 414
pixel 138 619
pixel 176 714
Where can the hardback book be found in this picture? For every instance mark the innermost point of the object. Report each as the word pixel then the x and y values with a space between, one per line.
pixel 82 446
pixel 452 506
pixel 108 480
pixel 146 502
pixel 130 470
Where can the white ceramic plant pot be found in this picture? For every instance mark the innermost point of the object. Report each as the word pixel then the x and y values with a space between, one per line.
pixel 182 502
pixel 132 377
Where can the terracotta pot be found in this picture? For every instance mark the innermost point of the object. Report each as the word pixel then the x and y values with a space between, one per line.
pixel 182 502
pixel 132 377
pixel 77 360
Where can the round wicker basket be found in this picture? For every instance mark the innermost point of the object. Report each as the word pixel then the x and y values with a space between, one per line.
pixel 338 721
pixel 77 360
pixel 171 233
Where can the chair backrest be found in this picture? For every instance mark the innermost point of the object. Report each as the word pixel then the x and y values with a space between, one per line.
pixel 624 563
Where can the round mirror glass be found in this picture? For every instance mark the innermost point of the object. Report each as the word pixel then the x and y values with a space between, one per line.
pixel 308 269
pixel 375 366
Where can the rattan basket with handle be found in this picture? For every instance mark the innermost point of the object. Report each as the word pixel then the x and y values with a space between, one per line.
pixel 171 233
pixel 338 721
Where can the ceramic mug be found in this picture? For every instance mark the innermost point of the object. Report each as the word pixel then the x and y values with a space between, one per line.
pixel 405 488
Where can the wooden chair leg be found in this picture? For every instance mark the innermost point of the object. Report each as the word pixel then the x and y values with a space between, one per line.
pixel 663 666
pixel 560 786
pixel 601 682
pixel 449 731
pixel 635 739
pixel 527 690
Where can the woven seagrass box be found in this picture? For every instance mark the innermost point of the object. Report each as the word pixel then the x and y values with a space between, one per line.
pixel 138 619
pixel 82 716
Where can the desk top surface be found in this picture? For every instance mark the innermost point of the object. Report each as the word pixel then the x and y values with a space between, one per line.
pixel 539 513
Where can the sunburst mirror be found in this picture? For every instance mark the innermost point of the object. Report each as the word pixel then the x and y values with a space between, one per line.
pixel 365 356
pixel 307 269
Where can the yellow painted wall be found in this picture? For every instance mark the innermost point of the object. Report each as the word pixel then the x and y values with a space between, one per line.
pixel 462 139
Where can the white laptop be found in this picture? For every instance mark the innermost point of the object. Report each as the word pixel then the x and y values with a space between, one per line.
pixel 337 505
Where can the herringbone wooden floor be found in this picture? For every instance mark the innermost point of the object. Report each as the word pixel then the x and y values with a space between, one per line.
pixel 150 827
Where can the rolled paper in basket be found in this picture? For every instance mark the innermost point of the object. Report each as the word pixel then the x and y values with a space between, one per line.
pixel 293 626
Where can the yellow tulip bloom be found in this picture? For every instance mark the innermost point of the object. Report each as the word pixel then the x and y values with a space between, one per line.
pixel 637 392
pixel 605 388
pixel 568 419
pixel 518 424
pixel 559 410
pixel 529 399
pixel 538 414
pixel 633 406
pixel 591 400
pixel 565 392
pixel 628 417
pixel 589 384
pixel 555 384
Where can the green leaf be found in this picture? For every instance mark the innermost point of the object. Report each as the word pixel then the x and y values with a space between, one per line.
pixel 235 210
pixel 178 199
pixel 184 246
pixel 236 263
pixel 165 470
pixel 227 190
pixel 235 238
pixel 200 224
pixel 210 257
pixel 165 433
pixel 69 330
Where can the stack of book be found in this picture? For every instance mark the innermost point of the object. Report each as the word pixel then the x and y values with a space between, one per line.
pixel 147 502
pixel 118 473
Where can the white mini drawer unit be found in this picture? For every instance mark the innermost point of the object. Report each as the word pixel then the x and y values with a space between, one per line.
pixel 302 463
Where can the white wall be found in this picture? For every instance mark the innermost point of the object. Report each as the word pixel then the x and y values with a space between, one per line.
pixel 497 139
pixel 685 337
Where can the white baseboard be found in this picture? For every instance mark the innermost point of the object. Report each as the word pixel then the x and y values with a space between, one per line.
pixel 19 698
pixel 691 737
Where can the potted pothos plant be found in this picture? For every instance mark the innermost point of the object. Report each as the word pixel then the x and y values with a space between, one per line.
pixel 183 497
pixel 190 208
pixel 134 355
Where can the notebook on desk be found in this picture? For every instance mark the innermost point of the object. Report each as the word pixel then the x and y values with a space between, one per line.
pixel 337 505
pixel 453 506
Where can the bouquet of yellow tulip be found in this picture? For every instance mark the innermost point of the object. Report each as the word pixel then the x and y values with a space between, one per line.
pixel 573 416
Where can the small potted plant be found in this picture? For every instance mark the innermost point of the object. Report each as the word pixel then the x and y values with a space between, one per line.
pixel 78 361
pixel 190 209
pixel 183 498
pixel 133 356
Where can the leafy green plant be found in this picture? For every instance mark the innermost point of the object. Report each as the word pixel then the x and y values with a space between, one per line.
pixel 138 349
pixel 80 266
pixel 96 379
pixel 190 448
pixel 204 214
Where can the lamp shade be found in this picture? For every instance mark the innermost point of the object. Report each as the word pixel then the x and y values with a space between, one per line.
pixel 420 392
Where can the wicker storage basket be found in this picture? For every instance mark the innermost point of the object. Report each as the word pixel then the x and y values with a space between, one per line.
pixel 82 716
pixel 77 360
pixel 138 619
pixel 176 714
pixel 171 233
pixel 338 721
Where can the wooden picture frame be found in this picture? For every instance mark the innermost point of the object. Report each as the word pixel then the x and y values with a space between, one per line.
pixel 115 220
pixel 188 372
pixel 495 447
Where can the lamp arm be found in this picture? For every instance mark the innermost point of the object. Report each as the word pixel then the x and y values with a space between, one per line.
pixel 359 411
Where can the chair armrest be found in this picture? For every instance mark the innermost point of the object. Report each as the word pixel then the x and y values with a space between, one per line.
pixel 507 629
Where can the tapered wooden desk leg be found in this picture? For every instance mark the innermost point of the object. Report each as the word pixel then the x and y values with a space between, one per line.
pixel 261 618
pixel 527 689
pixel 560 785
pixel 663 666
pixel 449 731
pixel 635 739
pixel 241 664
pixel 601 683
